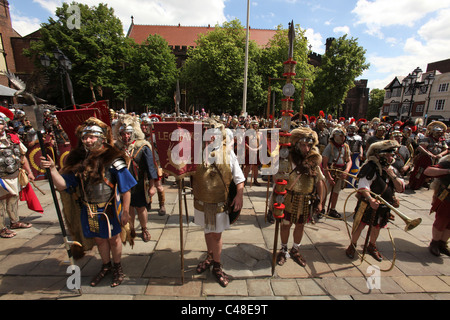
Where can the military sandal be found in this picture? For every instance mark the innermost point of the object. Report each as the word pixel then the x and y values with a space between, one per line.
pixel 106 268
pixel 297 257
pixel 221 277
pixel 205 264
pixel 118 275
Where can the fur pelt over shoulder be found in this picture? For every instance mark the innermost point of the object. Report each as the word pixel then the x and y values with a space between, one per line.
pixel 92 164
pixel 313 159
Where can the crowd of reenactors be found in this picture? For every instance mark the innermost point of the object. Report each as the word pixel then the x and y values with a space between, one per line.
pixel 405 150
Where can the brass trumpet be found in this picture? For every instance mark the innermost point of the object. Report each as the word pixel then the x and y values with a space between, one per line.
pixel 410 223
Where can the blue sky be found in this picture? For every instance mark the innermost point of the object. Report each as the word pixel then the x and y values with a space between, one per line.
pixel 399 35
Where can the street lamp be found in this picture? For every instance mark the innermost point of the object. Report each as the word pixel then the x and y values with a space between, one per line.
pixel 411 84
pixel 64 65
pixel 428 82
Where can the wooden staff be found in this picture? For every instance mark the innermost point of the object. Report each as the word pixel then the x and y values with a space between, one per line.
pixel 180 209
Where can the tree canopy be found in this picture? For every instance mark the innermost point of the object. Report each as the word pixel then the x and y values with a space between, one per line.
pixel 108 65
pixel 342 63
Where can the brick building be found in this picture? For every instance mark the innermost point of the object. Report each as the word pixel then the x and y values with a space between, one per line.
pixel 7 61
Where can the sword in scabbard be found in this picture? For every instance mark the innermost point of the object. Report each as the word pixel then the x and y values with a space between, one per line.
pixel 35 115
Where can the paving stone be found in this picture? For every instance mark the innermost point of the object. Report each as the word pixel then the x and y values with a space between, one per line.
pixel 311 287
pixel 174 288
pixel 259 288
pixel 285 287
pixel 236 288
pixel 431 283
pixel 32 264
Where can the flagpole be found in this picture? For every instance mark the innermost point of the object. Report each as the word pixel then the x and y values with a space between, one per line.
pixel 244 102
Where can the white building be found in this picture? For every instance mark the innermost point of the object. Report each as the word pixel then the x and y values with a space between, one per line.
pixel 421 94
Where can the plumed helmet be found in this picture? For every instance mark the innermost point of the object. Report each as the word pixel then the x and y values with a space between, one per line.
pixel 6 114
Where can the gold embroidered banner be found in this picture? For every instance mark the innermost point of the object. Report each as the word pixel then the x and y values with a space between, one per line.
pixel 177 143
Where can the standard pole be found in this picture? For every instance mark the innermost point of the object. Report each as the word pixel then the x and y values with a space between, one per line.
pixel 244 101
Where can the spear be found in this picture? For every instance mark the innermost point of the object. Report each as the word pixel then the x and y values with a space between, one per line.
pixel 35 115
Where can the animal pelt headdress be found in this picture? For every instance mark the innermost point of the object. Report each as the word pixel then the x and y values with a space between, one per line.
pixel 378 148
pixel 125 121
pixel 313 159
pixel 92 164
pixel 436 126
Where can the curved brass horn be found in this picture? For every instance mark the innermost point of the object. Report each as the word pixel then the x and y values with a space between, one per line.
pixel 410 223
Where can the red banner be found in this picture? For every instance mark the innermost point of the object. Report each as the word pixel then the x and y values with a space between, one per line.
pixel 176 143
pixel 102 108
pixel 71 119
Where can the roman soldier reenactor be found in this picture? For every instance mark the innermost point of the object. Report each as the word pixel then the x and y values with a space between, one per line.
pixel 95 190
pixel 440 205
pixel 322 131
pixel 376 176
pixel 431 148
pixel 336 163
pixel 131 139
pixel 305 188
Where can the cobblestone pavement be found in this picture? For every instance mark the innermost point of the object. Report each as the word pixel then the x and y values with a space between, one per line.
pixel 33 265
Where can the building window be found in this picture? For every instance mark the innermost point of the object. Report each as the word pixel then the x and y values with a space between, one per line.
pixel 394 108
pixel 388 94
pixel 396 92
pixel 420 108
pixel 439 105
pixel 443 87
pixel 405 108
pixel 3 66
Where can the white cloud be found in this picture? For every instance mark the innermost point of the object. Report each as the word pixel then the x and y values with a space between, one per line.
pixel 167 12
pixel 22 24
pixel 49 5
pixel 343 30
pixel 378 14
pixel 315 40
pixel 436 28
pixel 428 41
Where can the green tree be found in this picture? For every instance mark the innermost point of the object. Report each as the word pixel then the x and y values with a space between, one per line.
pixel 96 49
pixel 343 62
pixel 214 71
pixel 271 66
pixel 376 99
pixel 151 73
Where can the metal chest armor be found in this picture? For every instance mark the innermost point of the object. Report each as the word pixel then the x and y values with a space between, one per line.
pixel 300 188
pixel 9 158
pixel 211 183
pixel 103 192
